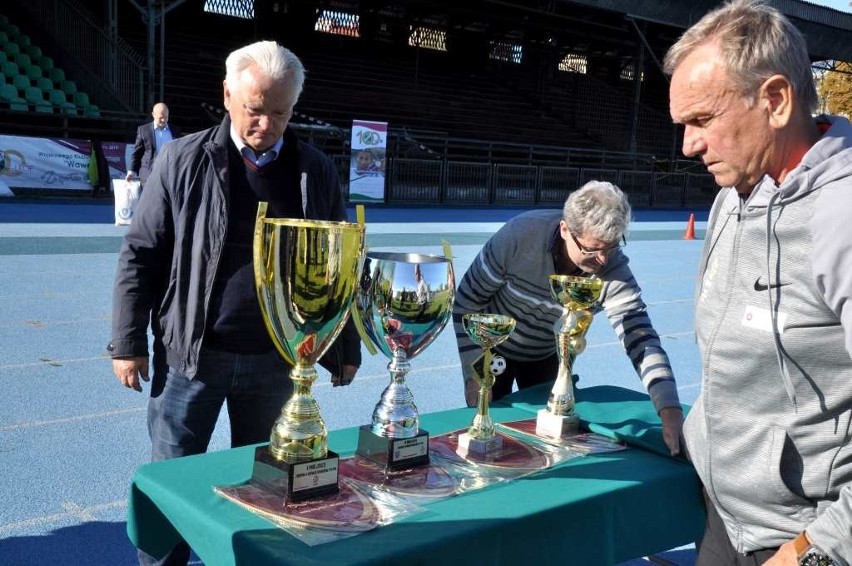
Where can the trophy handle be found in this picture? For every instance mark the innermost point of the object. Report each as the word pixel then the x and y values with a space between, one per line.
pixel 353 310
pixel 258 272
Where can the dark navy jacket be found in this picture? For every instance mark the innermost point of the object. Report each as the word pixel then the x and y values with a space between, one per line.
pixel 171 251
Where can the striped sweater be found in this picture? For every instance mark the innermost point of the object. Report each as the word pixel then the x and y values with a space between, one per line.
pixel 510 277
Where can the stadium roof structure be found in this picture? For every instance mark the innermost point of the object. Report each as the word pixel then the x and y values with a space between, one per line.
pixel 593 25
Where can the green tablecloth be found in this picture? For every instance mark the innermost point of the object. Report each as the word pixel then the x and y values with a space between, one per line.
pixel 598 509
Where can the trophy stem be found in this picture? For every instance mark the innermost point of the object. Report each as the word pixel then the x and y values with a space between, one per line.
pixel 396 415
pixel 482 427
pixel 299 433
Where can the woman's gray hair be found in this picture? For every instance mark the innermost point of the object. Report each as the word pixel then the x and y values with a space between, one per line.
pixel 756 41
pixel 598 210
pixel 273 60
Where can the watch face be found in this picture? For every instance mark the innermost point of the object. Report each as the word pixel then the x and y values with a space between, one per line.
pixel 814 558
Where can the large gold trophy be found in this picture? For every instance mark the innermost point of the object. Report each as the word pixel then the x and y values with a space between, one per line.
pixel 306 273
pixel 404 302
pixel 577 295
pixel 486 330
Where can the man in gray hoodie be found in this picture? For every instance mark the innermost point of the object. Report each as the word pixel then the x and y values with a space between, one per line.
pixel 770 432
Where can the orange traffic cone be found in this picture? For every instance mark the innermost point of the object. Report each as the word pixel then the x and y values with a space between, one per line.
pixel 690 228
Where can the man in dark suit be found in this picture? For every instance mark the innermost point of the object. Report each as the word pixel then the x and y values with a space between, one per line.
pixel 150 138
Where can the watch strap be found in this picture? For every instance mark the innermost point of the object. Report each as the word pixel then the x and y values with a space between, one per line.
pixel 801 544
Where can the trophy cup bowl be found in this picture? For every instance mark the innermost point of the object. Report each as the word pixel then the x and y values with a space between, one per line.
pixel 487 331
pixel 403 304
pixel 306 275
pixel 576 295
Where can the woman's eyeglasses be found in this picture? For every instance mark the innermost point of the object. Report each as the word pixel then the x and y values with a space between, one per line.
pixel 605 251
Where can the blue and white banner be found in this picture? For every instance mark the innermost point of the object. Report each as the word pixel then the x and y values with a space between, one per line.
pixel 367 162
pixel 53 163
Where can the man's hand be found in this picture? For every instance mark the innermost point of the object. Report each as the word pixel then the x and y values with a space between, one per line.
pixel 347 377
pixel 129 370
pixel 786 556
pixel 672 418
pixel 129 176
pixel 471 393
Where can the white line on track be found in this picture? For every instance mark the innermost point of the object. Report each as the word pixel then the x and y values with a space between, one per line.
pixel 66 420
pixel 72 511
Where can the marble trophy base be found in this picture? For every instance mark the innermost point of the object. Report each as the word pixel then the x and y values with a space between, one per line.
pixel 296 481
pixel 556 426
pixel 393 454
pixel 469 444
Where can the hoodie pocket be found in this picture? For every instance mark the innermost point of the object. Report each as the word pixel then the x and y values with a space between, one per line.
pixel 785 470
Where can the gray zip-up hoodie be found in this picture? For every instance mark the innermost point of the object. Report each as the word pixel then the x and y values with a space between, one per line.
pixel 770 433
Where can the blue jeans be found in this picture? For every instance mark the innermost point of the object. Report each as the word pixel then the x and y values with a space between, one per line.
pixel 182 412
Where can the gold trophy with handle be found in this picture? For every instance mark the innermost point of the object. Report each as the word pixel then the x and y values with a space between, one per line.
pixel 306 275
pixel 486 330
pixel 576 295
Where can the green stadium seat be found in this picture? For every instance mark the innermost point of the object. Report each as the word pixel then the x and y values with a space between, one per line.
pixel 10 69
pixel 34 51
pixel 4 20
pixel 3 57
pixel 35 97
pixel 21 82
pixel 12 30
pixel 32 71
pixel 68 87
pixel 22 59
pixel 92 110
pixel 81 99
pixel 23 40
pixel 44 83
pixel 4 38
pixel 9 95
pixel 57 75
pixel 11 48
pixel 60 101
pixel 33 94
pixel 46 64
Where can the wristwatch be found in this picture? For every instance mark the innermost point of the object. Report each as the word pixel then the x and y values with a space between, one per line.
pixel 809 554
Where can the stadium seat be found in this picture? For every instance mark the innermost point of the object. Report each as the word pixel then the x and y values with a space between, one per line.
pixel 34 51
pixel 3 57
pixel 44 83
pixel 68 87
pixel 23 40
pixel 81 99
pixel 57 75
pixel 60 101
pixel 11 48
pixel 13 32
pixel 22 59
pixel 92 110
pixel 10 69
pixel 46 64
pixel 4 20
pixel 9 95
pixel 4 38
pixel 35 97
pixel 21 82
pixel 32 71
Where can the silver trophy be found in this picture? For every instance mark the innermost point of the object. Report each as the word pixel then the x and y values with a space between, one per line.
pixel 403 304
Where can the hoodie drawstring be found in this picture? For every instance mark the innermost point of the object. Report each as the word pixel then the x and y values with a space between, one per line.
pixel 776 335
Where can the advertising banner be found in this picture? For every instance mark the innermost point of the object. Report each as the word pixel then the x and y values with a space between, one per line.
pixel 53 163
pixel 367 162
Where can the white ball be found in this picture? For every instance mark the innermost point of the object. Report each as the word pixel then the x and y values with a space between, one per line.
pixel 498 365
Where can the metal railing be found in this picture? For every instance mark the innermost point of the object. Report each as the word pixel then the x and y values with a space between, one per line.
pixel 429 181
